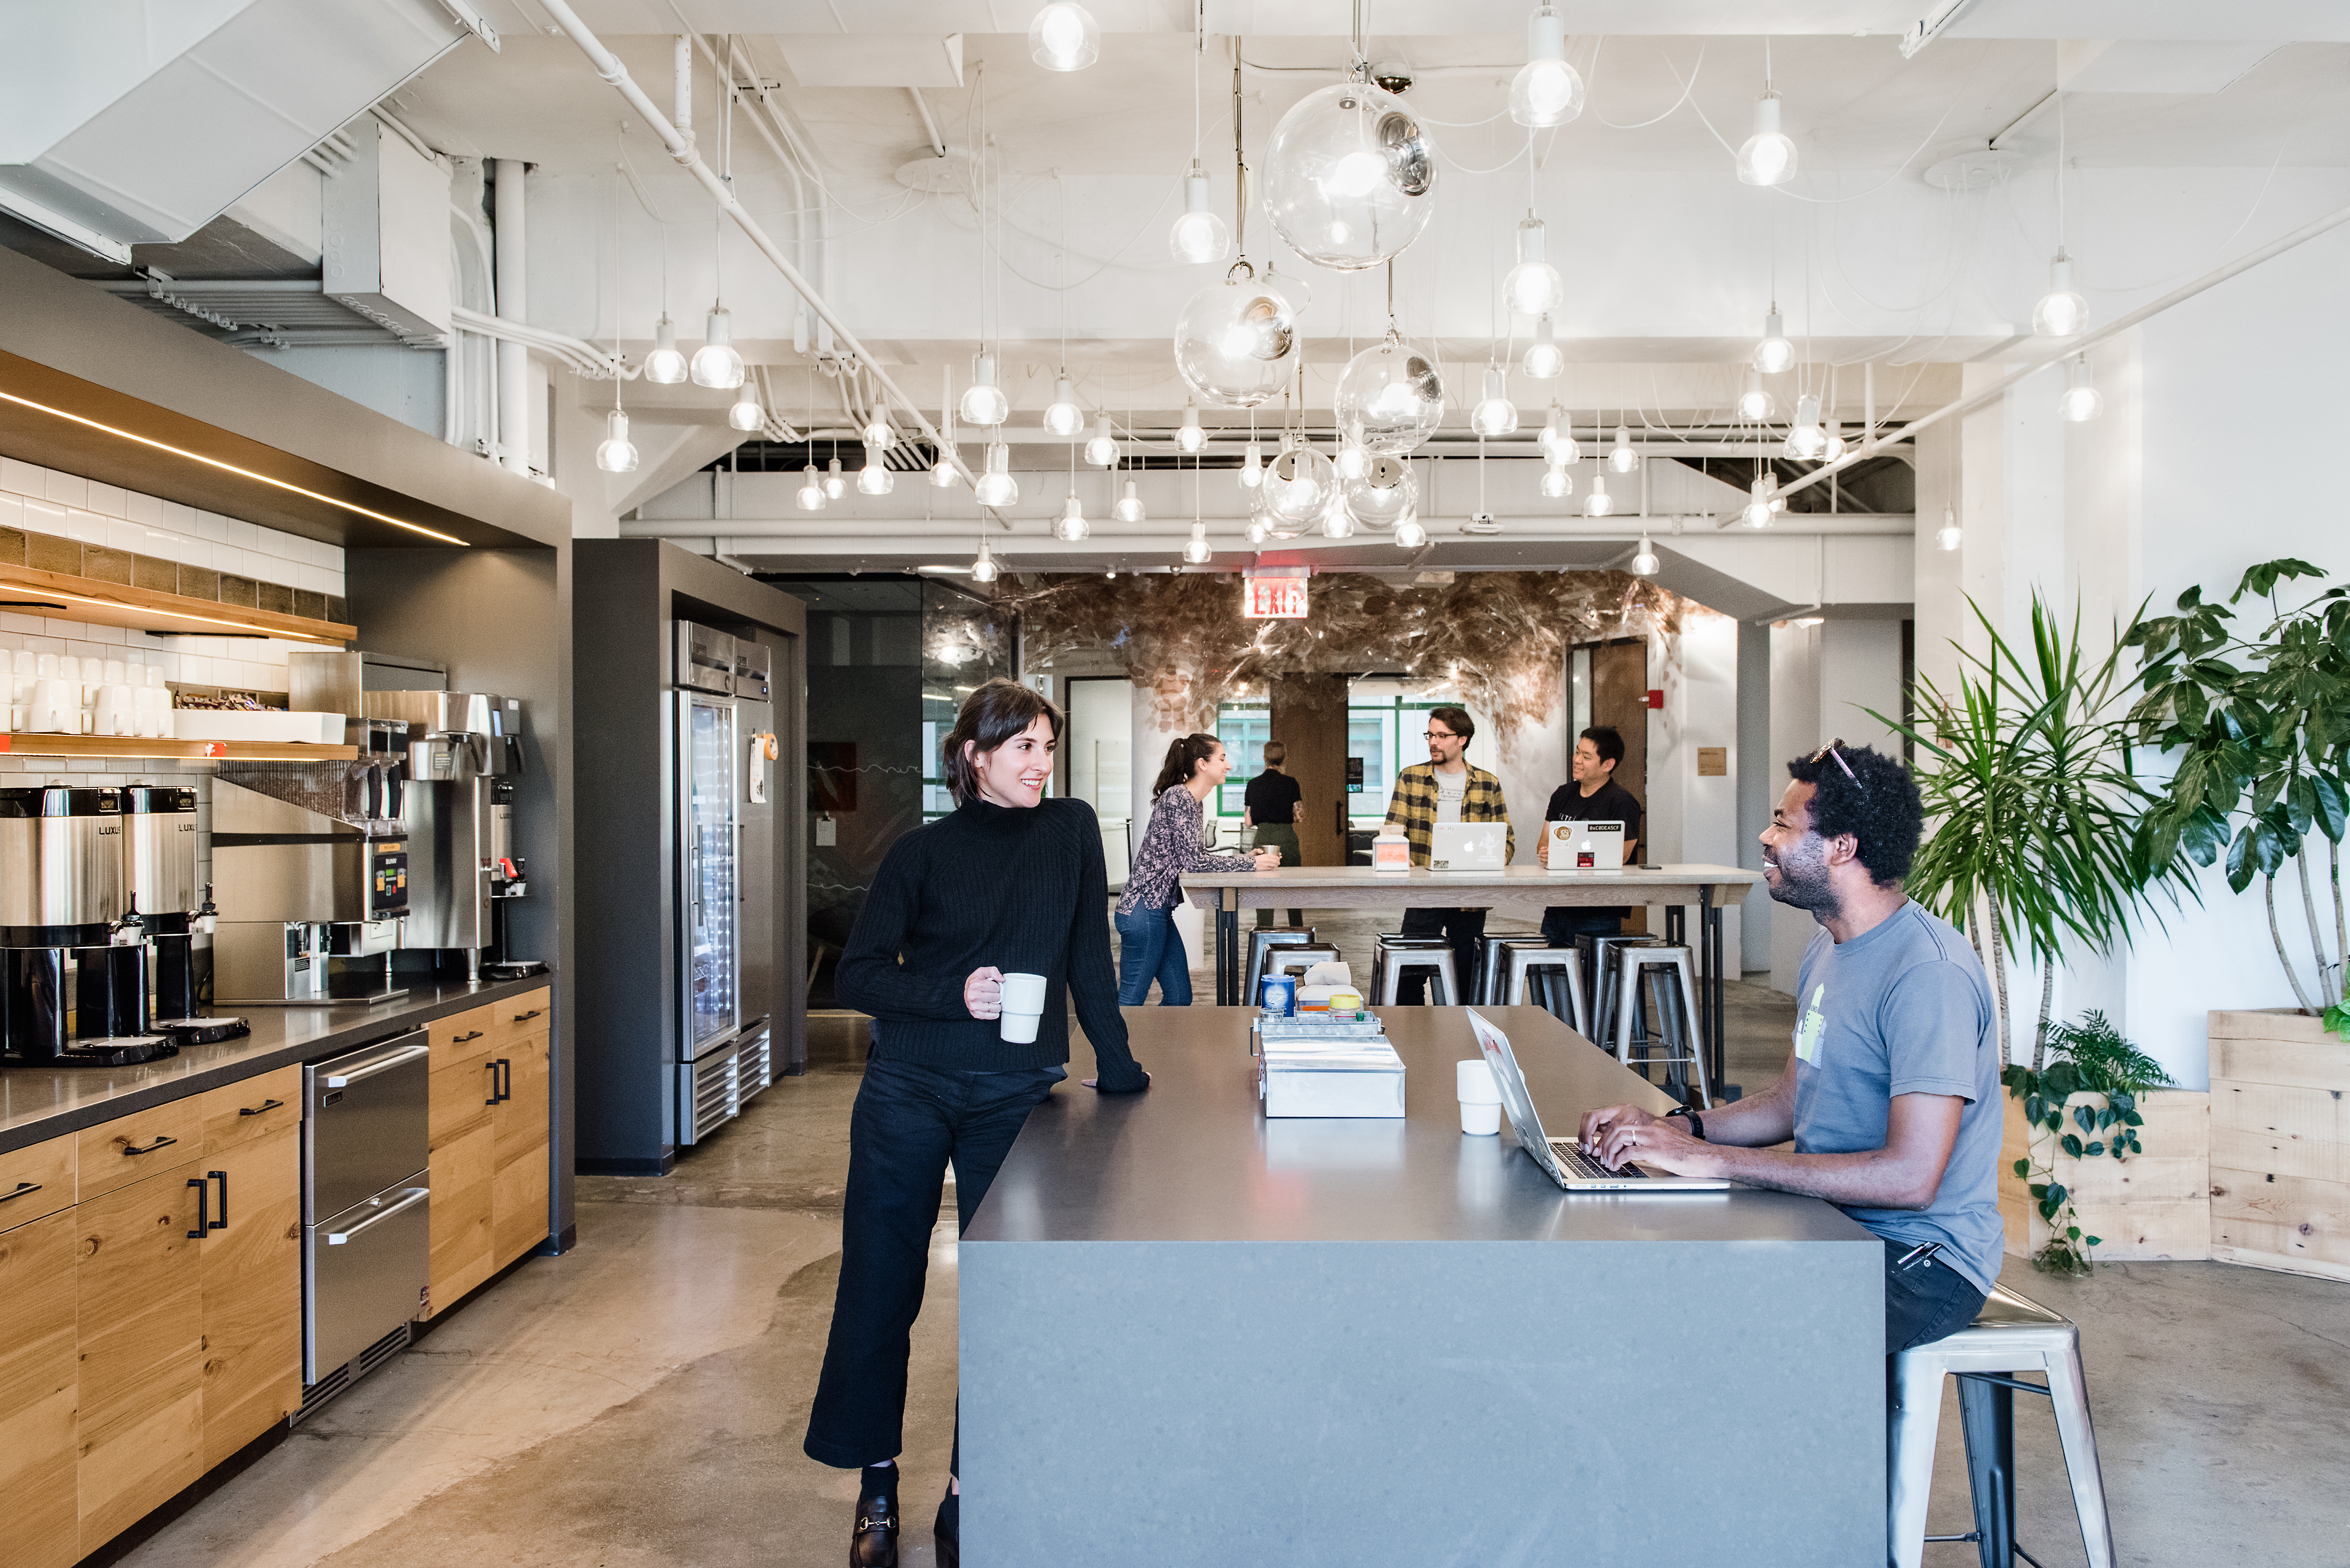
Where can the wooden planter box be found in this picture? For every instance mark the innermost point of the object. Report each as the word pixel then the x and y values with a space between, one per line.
pixel 2280 1144
pixel 2155 1205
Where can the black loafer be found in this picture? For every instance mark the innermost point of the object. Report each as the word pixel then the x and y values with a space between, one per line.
pixel 948 1531
pixel 874 1543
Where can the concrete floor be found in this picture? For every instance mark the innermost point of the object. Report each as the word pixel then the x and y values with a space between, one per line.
pixel 641 1401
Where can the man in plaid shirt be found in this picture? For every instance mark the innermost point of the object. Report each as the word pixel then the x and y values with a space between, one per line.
pixel 1445 788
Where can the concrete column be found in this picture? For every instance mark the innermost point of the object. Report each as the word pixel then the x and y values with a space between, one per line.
pixel 513 359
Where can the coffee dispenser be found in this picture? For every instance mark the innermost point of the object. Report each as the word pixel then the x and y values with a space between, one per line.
pixel 73 991
pixel 159 843
pixel 462 775
pixel 310 868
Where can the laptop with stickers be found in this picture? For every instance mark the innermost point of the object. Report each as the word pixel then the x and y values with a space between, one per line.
pixel 1559 1157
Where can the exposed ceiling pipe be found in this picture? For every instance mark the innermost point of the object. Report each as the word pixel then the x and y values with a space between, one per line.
pixel 2072 345
pixel 930 126
pixel 577 355
pixel 514 360
pixel 608 67
pixel 859 531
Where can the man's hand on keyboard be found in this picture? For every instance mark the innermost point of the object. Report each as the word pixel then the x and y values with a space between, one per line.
pixel 1653 1142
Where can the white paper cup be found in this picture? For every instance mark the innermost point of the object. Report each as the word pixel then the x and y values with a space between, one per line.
pixel 1024 1007
pixel 1480 1098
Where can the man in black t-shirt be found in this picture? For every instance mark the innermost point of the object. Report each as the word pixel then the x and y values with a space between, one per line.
pixel 1275 806
pixel 1592 795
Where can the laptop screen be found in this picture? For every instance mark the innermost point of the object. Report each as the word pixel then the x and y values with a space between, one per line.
pixel 1515 1097
pixel 1467 845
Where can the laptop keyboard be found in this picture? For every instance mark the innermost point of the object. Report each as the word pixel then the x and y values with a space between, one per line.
pixel 1577 1164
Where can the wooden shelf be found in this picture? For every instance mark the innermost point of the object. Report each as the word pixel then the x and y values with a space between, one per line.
pixel 31 745
pixel 29 591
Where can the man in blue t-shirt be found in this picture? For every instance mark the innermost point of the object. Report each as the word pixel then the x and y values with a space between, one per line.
pixel 1891 1094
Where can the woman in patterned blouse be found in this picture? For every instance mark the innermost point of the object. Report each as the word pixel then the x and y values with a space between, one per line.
pixel 1148 946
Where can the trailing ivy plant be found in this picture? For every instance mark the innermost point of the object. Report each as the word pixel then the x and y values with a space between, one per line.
pixel 2089 1057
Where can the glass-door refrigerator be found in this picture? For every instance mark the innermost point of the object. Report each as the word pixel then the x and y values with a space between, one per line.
pixel 723 1053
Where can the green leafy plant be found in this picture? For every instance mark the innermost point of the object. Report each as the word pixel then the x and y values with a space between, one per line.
pixel 2085 1058
pixel 2262 722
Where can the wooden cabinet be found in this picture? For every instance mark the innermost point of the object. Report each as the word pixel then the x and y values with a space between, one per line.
pixel 465 1084
pixel 252 1260
pixel 518 1195
pixel 133 1148
pixel 39 1380
pixel 36 1179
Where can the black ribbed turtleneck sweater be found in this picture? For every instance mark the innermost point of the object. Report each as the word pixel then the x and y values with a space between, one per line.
pixel 1019 890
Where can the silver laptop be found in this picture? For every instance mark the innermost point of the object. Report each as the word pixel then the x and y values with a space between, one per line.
pixel 1559 1157
pixel 1468 846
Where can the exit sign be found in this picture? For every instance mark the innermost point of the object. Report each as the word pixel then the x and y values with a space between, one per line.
pixel 1274 598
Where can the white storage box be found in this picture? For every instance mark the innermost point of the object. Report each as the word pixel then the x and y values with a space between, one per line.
pixel 240 725
pixel 1341 1079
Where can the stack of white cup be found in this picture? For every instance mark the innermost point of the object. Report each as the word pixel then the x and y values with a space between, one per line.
pixel 60 694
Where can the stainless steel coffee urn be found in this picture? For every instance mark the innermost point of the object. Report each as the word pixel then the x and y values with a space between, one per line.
pixel 74 986
pixel 158 866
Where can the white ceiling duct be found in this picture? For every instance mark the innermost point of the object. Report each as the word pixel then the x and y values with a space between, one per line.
pixel 126 124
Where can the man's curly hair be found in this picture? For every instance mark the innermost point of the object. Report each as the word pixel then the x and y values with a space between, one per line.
pixel 1877 803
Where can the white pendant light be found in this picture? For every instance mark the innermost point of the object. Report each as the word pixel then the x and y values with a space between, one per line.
pixel 877 431
pixel 1390 396
pixel 1753 402
pixel 1383 496
pixel 2062 312
pixel 1598 502
pixel 746 414
pixel 1197 550
pixel 1410 534
pixel 1352 462
pixel 1350 177
pixel 942 471
pixel 1072 526
pixel 1621 457
pixel 1337 522
pixel 1546 91
pixel 2082 401
pixel 1200 235
pixel 1062 416
pixel 1253 467
pixel 1645 564
pixel 1543 361
pixel 1773 352
pixel 983 402
pixel 1833 449
pixel 1257 531
pixel 1949 537
pixel 665 366
pixel 1559 441
pixel 715 363
pixel 1102 450
pixel 1804 439
pixel 618 454
pixel 1768 157
pixel 1064 37
pixel 1235 341
pixel 1556 482
pixel 1130 505
pixel 1762 502
pixel 983 569
pixel 996 487
pixel 835 484
pixel 811 492
pixel 1495 414
pixel 1190 437
pixel 874 478
pixel 1533 287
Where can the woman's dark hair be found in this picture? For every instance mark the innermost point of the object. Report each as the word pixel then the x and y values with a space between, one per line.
pixel 999 710
pixel 1869 795
pixel 1608 740
pixel 1183 758
pixel 1456 720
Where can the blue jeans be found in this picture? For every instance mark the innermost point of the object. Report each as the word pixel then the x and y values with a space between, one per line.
pixel 1149 949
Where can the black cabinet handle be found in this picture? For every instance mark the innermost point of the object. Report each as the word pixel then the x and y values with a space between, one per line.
pixel 132 1149
pixel 493 1067
pixel 266 1106
pixel 204 1208
pixel 460 1039
pixel 220 1220
pixel 21 1189
pixel 506 1079
pixel 526 1017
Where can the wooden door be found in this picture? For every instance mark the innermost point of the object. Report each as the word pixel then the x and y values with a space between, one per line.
pixel 464 1081
pixel 252 1267
pixel 1309 717
pixel 139 1295
pixel 39 1378
pixel 1620 696
pixel 518 1186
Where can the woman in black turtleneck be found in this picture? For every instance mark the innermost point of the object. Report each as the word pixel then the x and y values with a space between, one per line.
pixel 1010 883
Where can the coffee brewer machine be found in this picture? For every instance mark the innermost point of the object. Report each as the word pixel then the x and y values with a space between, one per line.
pixel 159 845
pixel 310 868
pixel 74 992
pixel 462 775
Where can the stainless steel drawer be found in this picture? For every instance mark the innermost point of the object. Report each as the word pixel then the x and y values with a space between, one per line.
pixel 364 1273
pixel 369 1122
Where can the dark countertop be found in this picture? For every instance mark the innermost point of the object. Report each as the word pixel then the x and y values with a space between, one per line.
pixel 1192 1159
pixel 37 1103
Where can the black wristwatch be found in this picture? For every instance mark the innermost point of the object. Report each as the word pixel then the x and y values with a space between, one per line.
pixel 1697 1123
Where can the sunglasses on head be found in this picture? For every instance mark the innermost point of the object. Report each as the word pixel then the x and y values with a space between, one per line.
pixel 1829 751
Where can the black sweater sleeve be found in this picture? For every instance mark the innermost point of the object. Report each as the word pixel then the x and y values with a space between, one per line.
pixel 870 978
pixel 1093 983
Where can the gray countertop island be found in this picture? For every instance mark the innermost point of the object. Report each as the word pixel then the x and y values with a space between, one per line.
pixel 1192 1335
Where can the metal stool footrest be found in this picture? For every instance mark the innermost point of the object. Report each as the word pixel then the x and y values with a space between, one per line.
pixel 1674 1007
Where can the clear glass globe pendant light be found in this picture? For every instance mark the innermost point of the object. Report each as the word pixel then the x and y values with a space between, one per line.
pixel 1384 495
pixel 1198 235
pixel 1064 37
pixel 996 487
pixel 1390 396
pixel 1546 91
pixel 1495 414
pixel 2062 312
pixel 1533 286
pixel 1543 361
pixel 1236 341
pixel 665 365
pixel 2082 401
pixel 1773 353
pixel 983 402
pixel 1299 485
pixel 616 453
pixel 1102 450
pixel 717 363
pixel 1350 176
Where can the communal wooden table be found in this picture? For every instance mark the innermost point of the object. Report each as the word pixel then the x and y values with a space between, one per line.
pixel 1523 890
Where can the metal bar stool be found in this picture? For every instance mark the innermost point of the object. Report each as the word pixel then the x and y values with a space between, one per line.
pixel 1675 1011
pixel 1600 975
pixel 2012 1334
pixel 1396 957
pixel 1262 941
pixel 1296 959
pixel 1493 966
pixel 1396 940
pixel 1542 971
